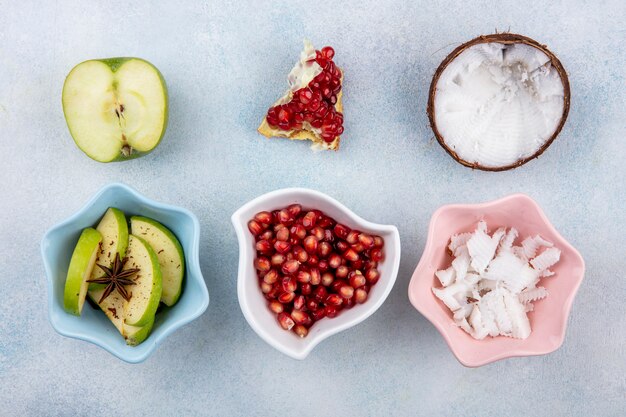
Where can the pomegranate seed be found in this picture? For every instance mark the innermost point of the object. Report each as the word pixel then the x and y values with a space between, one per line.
pixel 265 287
pixel 359 247
pixel 324 249
pixel 342 271
pixel 311 305
pixel 322 265
pixel 266 235
pixel 313 260
pixel 360 296
pixel 255 227
pixel 318 314
pixel 346 291
pixel 341 231
pixel 327 279
pixel 349 303
pixel 328 52
pixel 342 246
pixel 284 217
pixel 282 246
pixel 350 255
pixel 271 276
pixel 336 285
pixel 372 276
pixel 357 280
pixel 318 232
pixel 279 226
pixel 283 234
pixel 316 277
pixel 278 259
pixel 285 321
pixel 353 237
pixel 334 300
pixel 300 254
pixel 276 307
pixel 303 277
pixel 320 294
pixel 306 288
pixel 286 297
pixel 300 316
pixel 331 311
pixel 309 220
pixel 294 209
pixel 264 217
pixel 298 303
pixel 274 292
pixel 334 261
pixel 370 264
pixel 376 255
pixel 290 267
pixel 357 264
pixel 299 231
pixel 263 246
pixel 301 330
pixel 327 223
pixel 310 244
pixel 262 264
pixel 289 284
pixel 378 242
pixel 328 235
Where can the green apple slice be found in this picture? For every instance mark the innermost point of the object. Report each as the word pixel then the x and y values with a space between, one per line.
pixel 168 251
pixel 115 109
pixel 114 230
pixel 135 335
pixel 146 292
pixel 112 306
pixel 81 265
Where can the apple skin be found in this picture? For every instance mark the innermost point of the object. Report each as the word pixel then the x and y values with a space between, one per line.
pixel 136 335
pixel 137 245
pixel 172 278
pixel 81 264
pixel 114 64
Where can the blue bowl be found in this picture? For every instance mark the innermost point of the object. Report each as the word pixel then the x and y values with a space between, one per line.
pixel 93 326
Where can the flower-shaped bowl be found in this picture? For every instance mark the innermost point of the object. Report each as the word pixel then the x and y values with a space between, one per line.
pixel 251 300
pixel 548 320
pixel 93 326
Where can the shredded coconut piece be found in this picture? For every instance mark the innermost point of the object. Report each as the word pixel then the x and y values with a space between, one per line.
pixel 532 244
pixel 546 259
pixel 533 294
pixel 491 284
pixel 458 240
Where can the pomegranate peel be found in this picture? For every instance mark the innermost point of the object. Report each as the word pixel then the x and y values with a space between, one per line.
pixel 295 118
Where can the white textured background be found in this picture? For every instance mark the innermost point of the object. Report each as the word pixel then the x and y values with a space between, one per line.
pixel 225 63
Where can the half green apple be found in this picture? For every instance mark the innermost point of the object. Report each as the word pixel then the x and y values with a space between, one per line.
pixel 81 265
pixel 116 108
pixel 169 253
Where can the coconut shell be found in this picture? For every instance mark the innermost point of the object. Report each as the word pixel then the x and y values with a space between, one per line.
pixel 270 132
pixel 506 39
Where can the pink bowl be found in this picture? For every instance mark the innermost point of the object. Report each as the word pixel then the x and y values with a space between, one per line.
pixel 549 318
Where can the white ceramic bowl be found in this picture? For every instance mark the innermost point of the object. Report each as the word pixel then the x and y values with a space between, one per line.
pixel 254 305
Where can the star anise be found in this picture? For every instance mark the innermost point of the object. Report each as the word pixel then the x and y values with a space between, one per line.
pixel 115 278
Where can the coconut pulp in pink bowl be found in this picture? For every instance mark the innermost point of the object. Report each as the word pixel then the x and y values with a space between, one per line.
pixel 548 320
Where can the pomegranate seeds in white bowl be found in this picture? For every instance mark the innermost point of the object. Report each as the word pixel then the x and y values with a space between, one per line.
pixel 283 331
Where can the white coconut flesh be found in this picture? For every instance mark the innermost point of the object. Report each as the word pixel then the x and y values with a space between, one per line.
pixel 497 104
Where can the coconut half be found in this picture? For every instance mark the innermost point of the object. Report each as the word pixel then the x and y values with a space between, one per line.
pixel 498 101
